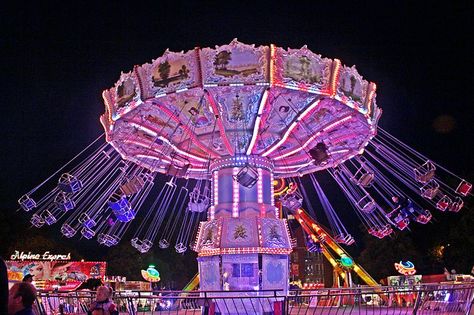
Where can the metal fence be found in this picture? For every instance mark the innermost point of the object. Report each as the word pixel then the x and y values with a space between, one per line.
pixel 423 299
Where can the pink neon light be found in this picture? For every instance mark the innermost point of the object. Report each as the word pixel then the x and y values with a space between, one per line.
pixel 326 128
pixel 150 144
pixel 185 128
pixel 215 111
pixel 235 195
pixel 258 120
pixel 292 127
pixel 147 128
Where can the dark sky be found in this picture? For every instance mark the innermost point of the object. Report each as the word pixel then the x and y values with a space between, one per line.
pixel 57 59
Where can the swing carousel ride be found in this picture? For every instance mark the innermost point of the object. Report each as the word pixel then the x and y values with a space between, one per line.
pixel 239 131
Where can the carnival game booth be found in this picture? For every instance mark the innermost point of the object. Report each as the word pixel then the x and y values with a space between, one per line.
pixel 53 271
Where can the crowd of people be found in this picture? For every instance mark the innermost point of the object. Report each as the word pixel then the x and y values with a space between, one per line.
pixel 20 298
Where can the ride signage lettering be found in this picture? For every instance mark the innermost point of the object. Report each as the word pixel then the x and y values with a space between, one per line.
pixel 45 256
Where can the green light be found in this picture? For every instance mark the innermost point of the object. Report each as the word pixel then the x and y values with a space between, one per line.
pixel 346 261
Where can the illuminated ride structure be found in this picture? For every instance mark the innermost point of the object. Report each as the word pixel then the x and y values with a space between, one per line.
pixel 223 124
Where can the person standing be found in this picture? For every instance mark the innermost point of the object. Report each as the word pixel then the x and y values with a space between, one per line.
pixel 21 298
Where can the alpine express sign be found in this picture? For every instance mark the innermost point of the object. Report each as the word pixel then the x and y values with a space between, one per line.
pixel 45 256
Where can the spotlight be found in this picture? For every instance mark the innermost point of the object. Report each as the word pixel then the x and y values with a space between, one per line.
pixel 319 153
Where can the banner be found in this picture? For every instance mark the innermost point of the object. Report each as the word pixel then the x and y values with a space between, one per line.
pixel 67 275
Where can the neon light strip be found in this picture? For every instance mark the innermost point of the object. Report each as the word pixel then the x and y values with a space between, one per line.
pixel 215 111
pixel 335 76
pixel 235 194
pixel 151 131
pixel 373 88
pixel 260 193
pixel 272 190
pixel 149 145
pixel 185 128
pixel 216 188
pixel 244 250
pixel 192 156
pixel 258 119
pixel 272 64
pixel 289 167
pixel 292 126
pixel 325 129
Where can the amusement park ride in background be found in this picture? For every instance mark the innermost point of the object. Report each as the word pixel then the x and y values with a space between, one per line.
pixel 226 126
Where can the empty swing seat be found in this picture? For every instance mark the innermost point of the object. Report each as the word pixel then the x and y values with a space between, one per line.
pixel 291 201
pixel 86 221
pixel 425 172
pixel 401 222
pixel 48 217
pixel 464 188
pixel 27 203
pixel 456 205
pixel 68 230
pixel 121 208
pixel 87 232
pixel 430 189
pixel 424 217
pixel 363 176
pixel 143 246
pixel 64 202
pixel 247 176
pixel 132 185
pixel 107 239
pixel 180 248
pixel 444 203
pixel 37 220
pixel 69 183
pixel 198 202
pixel 366 204
pixel 163 243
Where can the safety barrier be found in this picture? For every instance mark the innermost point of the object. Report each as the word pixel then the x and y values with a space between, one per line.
pixel 436 299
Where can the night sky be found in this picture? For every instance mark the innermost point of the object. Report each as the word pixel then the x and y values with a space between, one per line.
pixel 57 59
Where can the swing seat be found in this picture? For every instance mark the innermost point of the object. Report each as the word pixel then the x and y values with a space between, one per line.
pixel 456 205
pixel 366 204
pixel 444 203
pixel 401 222
pixel 430 189
pixel 68 230
pixel 198 206
pixel 86 221
pixel 180 248
pixel 163 243
pixel 124 215
pixel 198 202
pixel 424 217
pixel 178 171
pixel 464 188
pixel 132 185
pixel 49 218
pixel 87 232
pixel 366 180
pixel 142 246
pixel 247 176
pixel 27 203
pixel 69 183
pixel 363 176
pixel 345 239
pixel 121 208
pixel 37 220
pixel 292 202
pixel 425 172
pixel 107 239
pixel 64 202
pixel 387 230
pixel 145 246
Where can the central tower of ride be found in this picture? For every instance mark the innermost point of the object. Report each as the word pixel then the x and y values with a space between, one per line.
pixel 244 245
